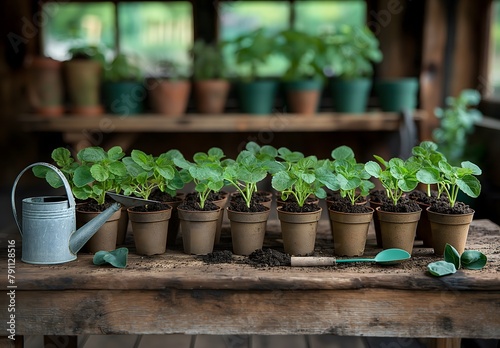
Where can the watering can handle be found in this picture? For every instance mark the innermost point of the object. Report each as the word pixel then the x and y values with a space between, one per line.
pixel 69 193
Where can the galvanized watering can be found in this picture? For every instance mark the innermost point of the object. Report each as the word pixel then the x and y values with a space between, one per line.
pixel 48 225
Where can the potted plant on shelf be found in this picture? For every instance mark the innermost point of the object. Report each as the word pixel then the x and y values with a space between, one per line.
pixel 199 217
pixel 450 219
pixel 350 221
pixel 350 53
pixel 211 86
pixel 252 50
pixel 83 80
pixel 299 177
pixel 123 87
pixel 398 216
pixel 248 218
pixel 150 222
pixel 303 79
pixel 169 89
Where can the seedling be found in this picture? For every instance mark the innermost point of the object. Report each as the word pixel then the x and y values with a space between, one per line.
pixel 470 259
pixel 427 155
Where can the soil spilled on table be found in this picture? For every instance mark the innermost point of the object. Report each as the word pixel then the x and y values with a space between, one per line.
pixel 220 256
pixel 268 257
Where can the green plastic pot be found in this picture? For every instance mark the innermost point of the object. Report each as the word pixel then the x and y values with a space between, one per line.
pixel 257 97
pixel 124 98
pixel 398 94
pixel 350 95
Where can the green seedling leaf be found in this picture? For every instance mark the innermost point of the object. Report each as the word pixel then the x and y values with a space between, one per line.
pixel 451 255
pixel 441 268
pixel 92 154
pixel 116 258
pixel 473 259
pixel 83 176
pixel 99 172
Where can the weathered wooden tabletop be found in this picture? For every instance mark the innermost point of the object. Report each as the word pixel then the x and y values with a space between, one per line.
pixel 179 293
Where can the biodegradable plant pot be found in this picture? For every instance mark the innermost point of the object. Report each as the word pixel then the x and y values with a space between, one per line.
pixel 45 87
pixel 150 230
pixel 124 98
pixel 299 231
pixel 350 95
pixel 221 203
pixel 211 95
pixel 449 228
pixel 105 237
pixel 349 232
pixel 198 230
pixel 398 229
pixel 257 97
pixel 424 231
pixel 169 97
pixel 398 94
pixel 83 85
pixel 303 96
pixel 247 230
pixel 121 235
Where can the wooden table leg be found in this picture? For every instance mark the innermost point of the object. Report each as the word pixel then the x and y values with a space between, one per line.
pixel 445 343
pixel 60 341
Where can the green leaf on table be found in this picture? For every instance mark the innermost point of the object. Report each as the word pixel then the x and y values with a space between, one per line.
pixel 451 255
pixel 116 258
pixel 473 259
pixel 441 268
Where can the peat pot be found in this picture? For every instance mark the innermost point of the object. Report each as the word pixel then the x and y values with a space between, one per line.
pixel 247 230
pixel 150 230
pixel 449 228
pixel 350 231
pixel 198 230
pixel 398 229
pixel 299 231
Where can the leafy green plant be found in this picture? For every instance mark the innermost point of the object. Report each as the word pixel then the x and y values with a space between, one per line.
pixel 451 180
pixel 350 51
pixel 428 157
pixel 206 171
pixel 349 177
pixel 66 164
pixel 172 70
pixel 453 261
pixel 305 54
pixel 251 51
pixel 299 176
pixel 208 61
pixel 116 258
pixel 397 177
pixel 457 121
pixel 146 173
pixel 87 52
pixel 122 69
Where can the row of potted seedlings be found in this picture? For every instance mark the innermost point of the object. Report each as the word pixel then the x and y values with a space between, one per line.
pixel 300 180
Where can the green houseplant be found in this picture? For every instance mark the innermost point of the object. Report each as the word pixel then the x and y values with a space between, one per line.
pixel 211 85
pixel 83 73
pixel 350 52
pixel 300 177
pixel 303 79
pixel 398 216
pixel 123 87
pixel 251 51
pixel 349 221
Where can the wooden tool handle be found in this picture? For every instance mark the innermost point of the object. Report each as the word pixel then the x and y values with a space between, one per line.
pixel 311 261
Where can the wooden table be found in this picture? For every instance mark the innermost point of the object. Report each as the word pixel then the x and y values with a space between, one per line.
pixel 178 293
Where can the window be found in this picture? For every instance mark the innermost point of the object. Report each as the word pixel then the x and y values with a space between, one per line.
pixel 151 31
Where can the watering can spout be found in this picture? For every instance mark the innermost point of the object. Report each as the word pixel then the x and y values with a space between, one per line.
pixel 84 233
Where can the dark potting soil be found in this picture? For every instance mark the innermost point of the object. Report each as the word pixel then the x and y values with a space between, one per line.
pixel 222 256
pixel 212 196
pixel 92 206
pixel 378 196
pixel 347 207
pixel 151 207
pixel 269 257
pixel 443 207
pixel 422 197
pixel 240 206
pixel 194 205
pixel 295 208
pixel 257 197
pixel 404 205
pixel 291 199
pixel 159 196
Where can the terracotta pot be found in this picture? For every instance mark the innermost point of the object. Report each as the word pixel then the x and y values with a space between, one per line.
pixel 449 228
pixel 303 96
pixel 211 95
pixel 222 205
pixel 169 97
pixel 424 232
pixel 122 227
pixel 398 229
pixel 247 230
pixel 376 223
pixel 83 84
pixel 198 230
pixel 150 230
pixel 45 86
pixel 299 231
pixel 105 237
pixel 349 232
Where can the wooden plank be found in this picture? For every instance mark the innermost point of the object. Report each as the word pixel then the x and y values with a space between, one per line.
pixel 107 124
pixel 370 312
